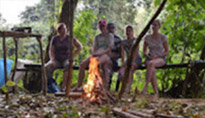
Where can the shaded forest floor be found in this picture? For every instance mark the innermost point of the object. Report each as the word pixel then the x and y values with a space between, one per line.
pixel 38 106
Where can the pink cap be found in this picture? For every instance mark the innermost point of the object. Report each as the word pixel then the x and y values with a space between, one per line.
pixel 102 23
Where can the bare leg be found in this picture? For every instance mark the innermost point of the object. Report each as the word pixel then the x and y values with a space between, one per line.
pixel 121 72
pixel 106 64
pixel 65 77
pixel 134 66
pixel 148 76
pixel 81 73
pixel 151 65
pixel 154 82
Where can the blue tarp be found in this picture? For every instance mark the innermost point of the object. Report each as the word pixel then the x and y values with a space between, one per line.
pixel 9 66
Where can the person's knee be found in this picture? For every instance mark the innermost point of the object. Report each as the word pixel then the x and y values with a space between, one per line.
pixel 83 65
pixel 133 67
pixel 150 64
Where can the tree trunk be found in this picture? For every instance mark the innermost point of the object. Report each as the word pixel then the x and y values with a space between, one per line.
pixel 64 18
pixel 193 84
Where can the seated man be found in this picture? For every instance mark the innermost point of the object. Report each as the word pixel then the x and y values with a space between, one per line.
pixel 59 52
pixel 116 52
pixel 102 46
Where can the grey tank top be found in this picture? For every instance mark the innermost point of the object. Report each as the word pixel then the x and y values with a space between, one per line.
pixel 61 48
pixel 155 46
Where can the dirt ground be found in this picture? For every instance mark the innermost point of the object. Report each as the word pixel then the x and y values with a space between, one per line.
pixel 39 106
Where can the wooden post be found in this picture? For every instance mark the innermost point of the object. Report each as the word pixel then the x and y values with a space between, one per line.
pixel 43 70
pixel 129 60
pixel 16 59
pixel 70 69
pixel 5 63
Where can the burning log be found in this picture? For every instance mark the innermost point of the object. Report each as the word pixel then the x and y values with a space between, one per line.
pixel 94 90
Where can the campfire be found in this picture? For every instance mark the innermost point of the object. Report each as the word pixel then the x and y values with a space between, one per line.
pixel 94 89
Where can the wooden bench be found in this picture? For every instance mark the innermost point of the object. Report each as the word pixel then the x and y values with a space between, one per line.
pixel 37 67
pixel 167 66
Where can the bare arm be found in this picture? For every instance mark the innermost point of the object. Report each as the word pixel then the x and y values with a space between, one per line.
pixel 145 50
pixel 166 47
pixel 94 46
pixel 51 52
pixel 106 51
pixel 136 53
pixel 122 54
pixel 78 46
pixel 102 53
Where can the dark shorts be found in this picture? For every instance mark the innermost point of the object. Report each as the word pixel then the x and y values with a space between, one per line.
pixel 163 58
pixel 138 61
pixel 115 65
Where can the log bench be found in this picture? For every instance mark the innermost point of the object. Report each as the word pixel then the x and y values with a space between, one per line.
pixel 37 68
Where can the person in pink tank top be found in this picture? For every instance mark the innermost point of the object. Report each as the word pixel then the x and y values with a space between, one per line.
pixel 158 48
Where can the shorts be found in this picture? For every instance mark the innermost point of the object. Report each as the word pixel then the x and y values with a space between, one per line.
pixel 163 58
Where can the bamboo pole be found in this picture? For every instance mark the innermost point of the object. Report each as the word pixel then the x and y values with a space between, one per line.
pixel 16 59
pixel 5 64
pixel 43 70
pixel 129 60
pixel 70 69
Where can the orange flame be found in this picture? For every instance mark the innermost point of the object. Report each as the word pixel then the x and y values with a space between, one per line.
pixel 94 79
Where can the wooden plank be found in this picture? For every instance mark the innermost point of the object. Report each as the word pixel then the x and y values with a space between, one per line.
pixel 17 34
pixel 71 94
pixel 142 67
pixel 123 114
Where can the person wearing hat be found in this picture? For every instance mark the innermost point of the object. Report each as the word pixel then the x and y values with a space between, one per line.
pixel 116 52
pixel 101 48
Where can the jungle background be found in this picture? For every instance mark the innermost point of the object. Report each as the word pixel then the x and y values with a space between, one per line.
pixel 183 23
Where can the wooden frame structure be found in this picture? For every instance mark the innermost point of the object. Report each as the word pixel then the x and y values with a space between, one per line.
pixel 16 36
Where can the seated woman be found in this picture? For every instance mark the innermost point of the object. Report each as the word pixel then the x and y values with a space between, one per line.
pixel 158 49
pixel 127 44
pixel 59 52
pixel 102 46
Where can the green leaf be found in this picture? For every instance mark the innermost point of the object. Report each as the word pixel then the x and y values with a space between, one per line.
pixel 157 2
pixel 202 3
pixel 105 109
pixel 10 83
pixel 5 89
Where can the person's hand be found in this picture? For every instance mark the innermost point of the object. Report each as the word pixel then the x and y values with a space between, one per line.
pixel 149 57
pixel 52 63
pixel 155 57
pixel 96 55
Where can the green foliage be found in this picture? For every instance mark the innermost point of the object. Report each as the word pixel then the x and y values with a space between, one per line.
pixel 183 23
pixel 9 83
pixel 5 89
pixel 84 32
pixel 157 2
pixel 110 9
